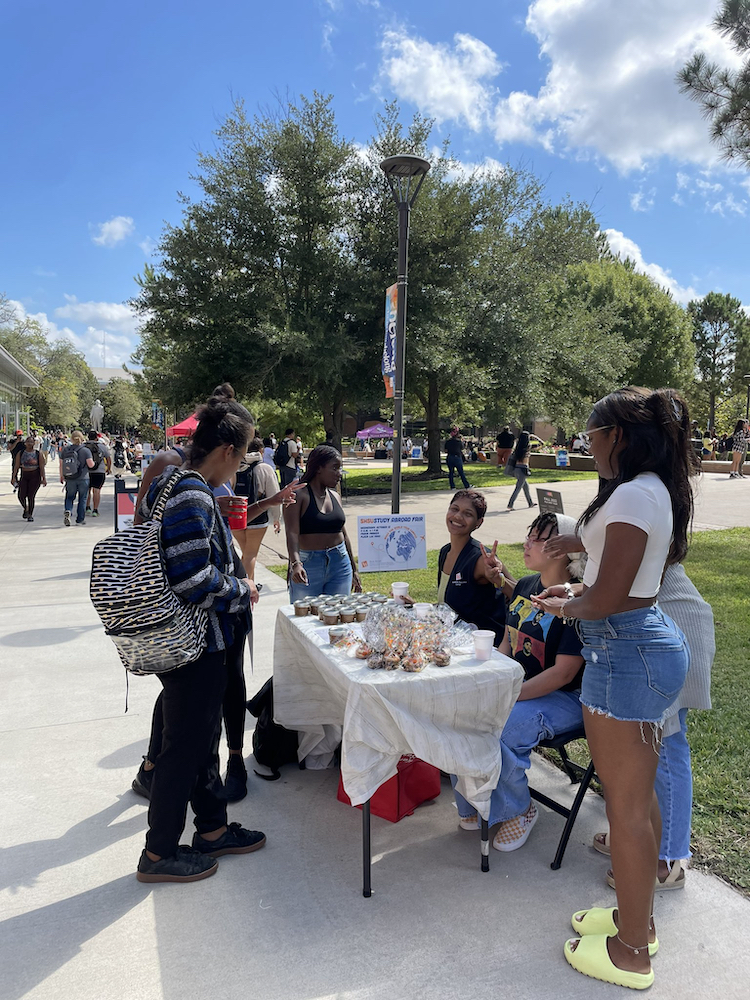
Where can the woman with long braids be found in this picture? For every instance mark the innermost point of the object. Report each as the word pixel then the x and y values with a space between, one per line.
pixel 320 554
pixel 636 658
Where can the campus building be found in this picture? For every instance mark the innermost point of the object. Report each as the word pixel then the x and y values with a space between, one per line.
pixel 14 409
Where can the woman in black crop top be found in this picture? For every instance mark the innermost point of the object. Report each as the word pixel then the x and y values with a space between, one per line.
pixel 320 555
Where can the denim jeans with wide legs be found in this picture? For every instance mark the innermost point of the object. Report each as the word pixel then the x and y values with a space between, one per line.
pixel 78 486
pixel 328 572
pixel 521 484
pixel 674 790
pixel 456 464
pixel 528 723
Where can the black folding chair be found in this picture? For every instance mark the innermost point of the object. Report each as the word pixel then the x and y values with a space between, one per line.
pixel 578 775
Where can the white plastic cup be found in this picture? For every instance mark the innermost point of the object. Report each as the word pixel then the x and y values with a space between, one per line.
pixel 422 610
pixel 484 640
pixel 399 591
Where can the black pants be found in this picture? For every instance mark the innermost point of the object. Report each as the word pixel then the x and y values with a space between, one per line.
pixel 187 766
pixel 233 706
pixel 28 489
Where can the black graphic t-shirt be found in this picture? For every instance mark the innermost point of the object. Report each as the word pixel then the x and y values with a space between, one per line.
pixel 537 637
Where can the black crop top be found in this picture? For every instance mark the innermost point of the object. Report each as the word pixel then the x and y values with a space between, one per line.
pixel 315 522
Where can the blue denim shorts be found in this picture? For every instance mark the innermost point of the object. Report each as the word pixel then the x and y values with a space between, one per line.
pixel 636 664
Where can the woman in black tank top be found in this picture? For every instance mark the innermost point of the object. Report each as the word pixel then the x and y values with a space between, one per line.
pixel 320 554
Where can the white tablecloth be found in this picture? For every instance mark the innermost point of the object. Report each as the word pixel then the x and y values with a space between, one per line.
pixel 450 717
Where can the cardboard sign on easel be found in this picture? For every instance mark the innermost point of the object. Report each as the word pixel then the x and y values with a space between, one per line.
pixel 550 502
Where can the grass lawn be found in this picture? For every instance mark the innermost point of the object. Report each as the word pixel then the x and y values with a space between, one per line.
pixel 414 480
pixel 720 739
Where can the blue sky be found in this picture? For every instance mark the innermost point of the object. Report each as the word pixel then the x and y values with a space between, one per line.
pixel 104 108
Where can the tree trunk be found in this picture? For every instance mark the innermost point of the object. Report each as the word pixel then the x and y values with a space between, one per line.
pixel 333 421
pixel 432 415
pixel 712 409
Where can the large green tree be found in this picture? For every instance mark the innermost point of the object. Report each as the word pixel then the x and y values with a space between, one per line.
pixel 721 334
pixel 256 285
pixel 67 386
pixel 123 406
pixel 724 94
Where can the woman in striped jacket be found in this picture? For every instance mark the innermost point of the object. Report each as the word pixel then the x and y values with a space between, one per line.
pixel 200 567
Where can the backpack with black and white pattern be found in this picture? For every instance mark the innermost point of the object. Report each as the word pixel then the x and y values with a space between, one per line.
pixel 153 630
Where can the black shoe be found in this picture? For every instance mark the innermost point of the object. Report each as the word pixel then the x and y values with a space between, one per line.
pixel 186 865
pixel 66 519
pixel 532 505
pixel 142 782
pixel 236 840
pixel 235 783
pixel 29 518
pixel 88 510
pixel 95 512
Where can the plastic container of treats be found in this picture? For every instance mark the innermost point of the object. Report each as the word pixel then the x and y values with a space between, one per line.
pixel 302 608
pixel 347 615
pixel 336 633
pixel 330 616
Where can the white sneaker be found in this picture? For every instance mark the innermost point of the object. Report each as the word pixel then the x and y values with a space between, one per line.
pixel 514 833
pixel 468 822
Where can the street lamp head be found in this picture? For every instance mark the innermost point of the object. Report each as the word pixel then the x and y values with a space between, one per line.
pixel 401 171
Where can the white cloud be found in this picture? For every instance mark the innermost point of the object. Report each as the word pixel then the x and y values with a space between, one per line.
pixel 113 232
pixel 41 273
pixel 445 82
pixel 625 247
pixel 643 201
pixel 609 90
pixel 328 31
pixel 103 315
pixel 148 246
pixel 728 204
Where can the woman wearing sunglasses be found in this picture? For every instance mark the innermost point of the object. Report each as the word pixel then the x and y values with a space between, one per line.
pixel 636 658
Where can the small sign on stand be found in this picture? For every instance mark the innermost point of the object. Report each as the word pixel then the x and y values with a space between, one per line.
pixel 124 505
pixel 550 502
pixel 391 542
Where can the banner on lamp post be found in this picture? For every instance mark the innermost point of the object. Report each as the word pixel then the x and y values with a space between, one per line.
pixel 389 343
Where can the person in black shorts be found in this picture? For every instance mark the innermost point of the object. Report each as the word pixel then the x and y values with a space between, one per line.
pixel 103 465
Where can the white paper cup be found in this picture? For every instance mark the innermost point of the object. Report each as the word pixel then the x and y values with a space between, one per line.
pixel 399 591
pixel 484 640
pixel 422 610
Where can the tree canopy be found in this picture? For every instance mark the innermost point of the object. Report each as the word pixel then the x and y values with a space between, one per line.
pixel 275 280
pixel 724 94
pixel 721 335
pixel 67 386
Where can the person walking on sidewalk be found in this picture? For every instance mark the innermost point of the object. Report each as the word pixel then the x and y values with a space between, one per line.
pixel 75 463
pixel 200 567
pixel 454 457
pixel 29 466
pixel 519 461
pixel 100 470
pixel 287 458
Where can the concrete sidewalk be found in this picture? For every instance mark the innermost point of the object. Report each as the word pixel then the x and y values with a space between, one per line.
pixel 288 923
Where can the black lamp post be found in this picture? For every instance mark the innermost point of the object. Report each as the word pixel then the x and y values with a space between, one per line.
pixel 405 175
pixel 747 404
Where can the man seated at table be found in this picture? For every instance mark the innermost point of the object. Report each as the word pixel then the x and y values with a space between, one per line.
pixel 550 654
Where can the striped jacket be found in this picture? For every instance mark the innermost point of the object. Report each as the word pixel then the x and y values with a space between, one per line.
pixel 198 555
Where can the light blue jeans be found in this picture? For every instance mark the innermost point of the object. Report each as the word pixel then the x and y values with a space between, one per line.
pixel 528 723
pixel 521 484
pixel 674 790
pixel 81 487
pixel 328 572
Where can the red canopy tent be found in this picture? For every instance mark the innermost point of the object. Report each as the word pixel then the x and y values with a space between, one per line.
pixel 185 429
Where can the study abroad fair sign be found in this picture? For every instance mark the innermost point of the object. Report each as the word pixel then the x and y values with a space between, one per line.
pixel 391 543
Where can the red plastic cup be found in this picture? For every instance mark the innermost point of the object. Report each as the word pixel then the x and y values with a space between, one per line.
pixel 237 513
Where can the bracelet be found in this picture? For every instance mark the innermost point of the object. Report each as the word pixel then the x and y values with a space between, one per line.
pixel 502 582
pixel 297 562
pixel 567 619
pixel 569 591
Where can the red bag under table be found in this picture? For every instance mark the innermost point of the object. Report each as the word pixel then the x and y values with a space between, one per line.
pixel 416 782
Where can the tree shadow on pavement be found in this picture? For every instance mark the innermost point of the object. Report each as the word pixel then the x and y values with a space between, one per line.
pixel 46 636
pixel 22 864
pixel 33 946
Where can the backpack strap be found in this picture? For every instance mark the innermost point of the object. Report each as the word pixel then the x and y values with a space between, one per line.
pixel 165 492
